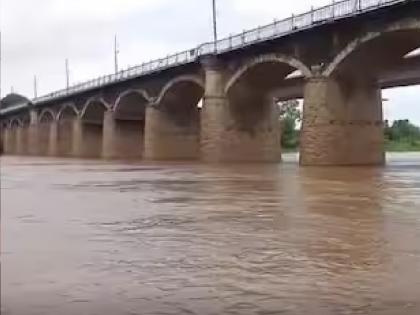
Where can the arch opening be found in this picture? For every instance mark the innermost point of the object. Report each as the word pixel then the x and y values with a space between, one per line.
pixel 376 56
pixel 88 131
pixel 66 120
pixel 20 130
pixel 254 90
pixel 181 102
pixel 128 125
pixel 45 125
pixel 254 94
pixel 173 125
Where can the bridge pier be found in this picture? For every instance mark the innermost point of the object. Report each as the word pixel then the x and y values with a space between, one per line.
pixel 86 139
pixel 40 135
pixel 169 138
pixel 22 143
pixel 62 131
pixel 122 139
pixel 8 141
pixel 31 145
pixel 52 149
pixel 342 123
pixel 237 129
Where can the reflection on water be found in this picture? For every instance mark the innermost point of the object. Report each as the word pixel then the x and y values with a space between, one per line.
pixel 88 238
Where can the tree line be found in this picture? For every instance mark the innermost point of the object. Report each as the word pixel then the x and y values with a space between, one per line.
pixel 401 135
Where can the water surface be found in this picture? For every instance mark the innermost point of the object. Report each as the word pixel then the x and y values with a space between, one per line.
pixel 84 237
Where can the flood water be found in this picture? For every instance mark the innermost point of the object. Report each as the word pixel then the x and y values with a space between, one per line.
pixel 85 237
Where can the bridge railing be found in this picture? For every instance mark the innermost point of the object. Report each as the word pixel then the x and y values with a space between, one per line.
pixel 337 10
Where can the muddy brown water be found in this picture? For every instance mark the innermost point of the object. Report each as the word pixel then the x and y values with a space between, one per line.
pixel 83 237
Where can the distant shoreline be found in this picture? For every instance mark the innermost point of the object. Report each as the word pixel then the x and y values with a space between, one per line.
pixel 387 150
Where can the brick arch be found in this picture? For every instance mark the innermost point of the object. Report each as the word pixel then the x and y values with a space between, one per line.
pixel 44 113
pixel 5 124
pixel 181 79
pixel 91 102
pixel 140 92
pixel 65 107
pixel 276 58
pixel 15 121
pixel 407 25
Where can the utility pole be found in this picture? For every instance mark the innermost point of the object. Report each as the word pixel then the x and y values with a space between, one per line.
pixel 214 21
pixel 35 87
pixel 116 52
pixel 67 74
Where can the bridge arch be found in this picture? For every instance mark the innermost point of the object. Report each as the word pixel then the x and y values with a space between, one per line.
pixel 45 139
pixel 94 109
pixel 15 122
pixel 124 125
pixel 138 93
pixel 173 122
pixel 400 38
pixel 67 111
pixel 5 124
pixel 290 65
pixel 180 84
pixel 46 116
pixel 66 119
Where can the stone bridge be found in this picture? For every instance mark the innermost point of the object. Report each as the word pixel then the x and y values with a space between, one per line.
pixel 337 58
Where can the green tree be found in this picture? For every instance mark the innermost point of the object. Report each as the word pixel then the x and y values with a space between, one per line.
pixel 402 136
pixel 290 115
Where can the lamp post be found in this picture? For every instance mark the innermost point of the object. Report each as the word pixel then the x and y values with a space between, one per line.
pixel 214 21
pixel 215 26
pixel 116 52
pixel 67 74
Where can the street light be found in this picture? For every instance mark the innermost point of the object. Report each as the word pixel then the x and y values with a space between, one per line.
pixel 214 21
pixel 116 52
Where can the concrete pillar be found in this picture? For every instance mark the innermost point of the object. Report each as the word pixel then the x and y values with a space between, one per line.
pixel 214 114
pixel 225 134
pixel 86 139
pixel 342 123
pixel 8 141
pixel 53 139
pixel 122 139
pixel 32 131
pixel 109 138
pixel 64 142
pixel 167 138
pixel 21 140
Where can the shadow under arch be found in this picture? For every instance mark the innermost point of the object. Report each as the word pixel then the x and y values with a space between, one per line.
pixel 46 121
pixel 124 135
pixel 9 134
pixel 19 127
pixel 374 52
pixel 66 120
pixel 173 122
pixel 252 93
pixel 88 130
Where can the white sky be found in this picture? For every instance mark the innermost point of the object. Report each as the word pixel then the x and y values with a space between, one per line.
pixel 38 35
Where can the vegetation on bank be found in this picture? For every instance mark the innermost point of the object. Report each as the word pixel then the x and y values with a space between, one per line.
pixel 290 116
pixel 401 136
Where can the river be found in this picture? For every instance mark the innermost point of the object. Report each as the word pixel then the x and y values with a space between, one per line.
pixel 87 237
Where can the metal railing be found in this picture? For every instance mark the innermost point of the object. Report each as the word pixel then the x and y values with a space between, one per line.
pixel 326 14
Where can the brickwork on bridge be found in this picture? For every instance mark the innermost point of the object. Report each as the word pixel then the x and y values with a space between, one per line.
pixel 342 127
pixel 122 139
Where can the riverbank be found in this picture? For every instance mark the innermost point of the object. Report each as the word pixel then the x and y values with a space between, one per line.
pixel 389 147
pixel 403 146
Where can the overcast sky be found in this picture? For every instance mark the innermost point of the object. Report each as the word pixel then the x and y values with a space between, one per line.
pixel 38 35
